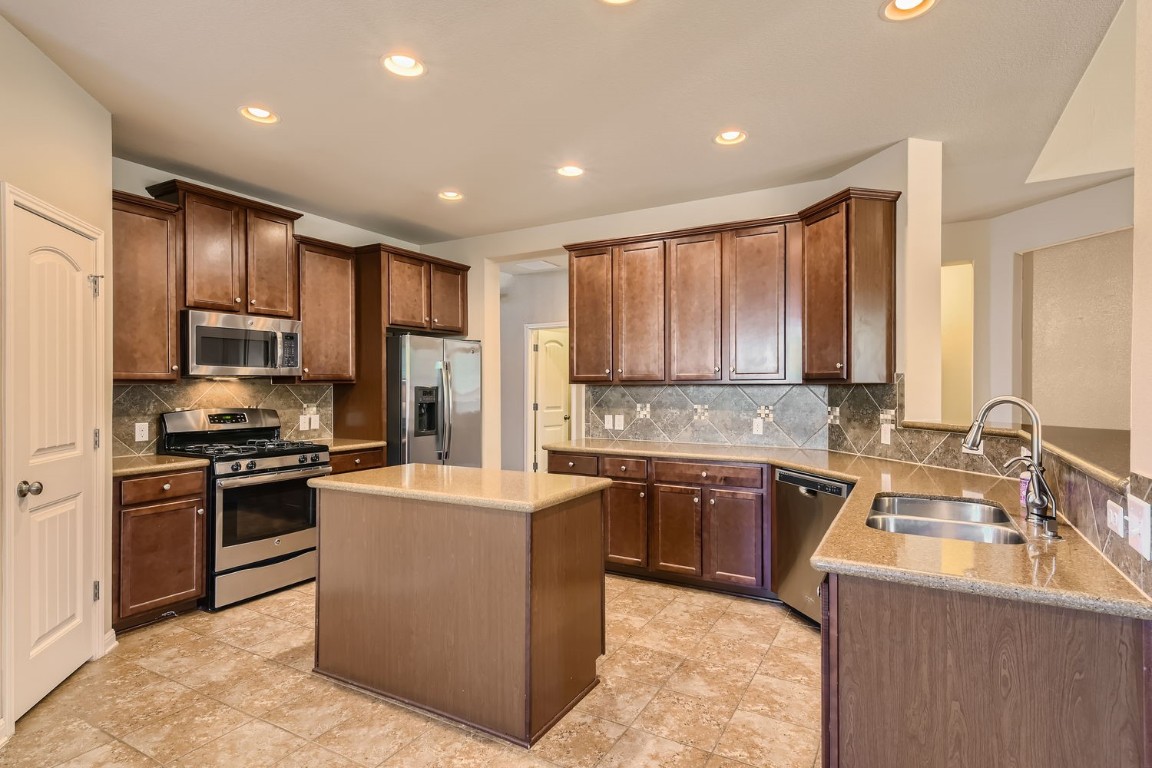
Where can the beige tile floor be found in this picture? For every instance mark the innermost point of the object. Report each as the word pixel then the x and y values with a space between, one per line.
pixel 690 679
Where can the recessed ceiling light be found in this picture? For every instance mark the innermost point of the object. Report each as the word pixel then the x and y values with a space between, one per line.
pixel 570 170
pixel 902 10
pixel 616 2
pixel 259 114
pixel 730 137
pixel 403 65
pixel 451 194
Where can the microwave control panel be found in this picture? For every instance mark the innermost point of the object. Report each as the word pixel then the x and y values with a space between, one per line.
pixel 291 358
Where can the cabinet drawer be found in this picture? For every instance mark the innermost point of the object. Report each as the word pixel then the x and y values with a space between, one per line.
pixel 740 476
pixel 573 464
pixel 354 461
pixel 625 469
pixel 161 487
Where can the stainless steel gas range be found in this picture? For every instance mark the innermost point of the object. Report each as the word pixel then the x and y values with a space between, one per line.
pixel 262 514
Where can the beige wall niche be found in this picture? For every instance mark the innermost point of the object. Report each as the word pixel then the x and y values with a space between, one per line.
pixel 957 310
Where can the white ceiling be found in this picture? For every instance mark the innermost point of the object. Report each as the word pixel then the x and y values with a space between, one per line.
pixel 517 87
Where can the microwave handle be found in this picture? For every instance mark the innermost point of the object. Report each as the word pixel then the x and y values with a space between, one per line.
pixel 278 353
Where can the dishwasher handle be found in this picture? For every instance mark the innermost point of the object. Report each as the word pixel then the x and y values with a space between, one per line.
pixel 812 485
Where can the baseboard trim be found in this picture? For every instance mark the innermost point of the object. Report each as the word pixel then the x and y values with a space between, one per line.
pixel 110 641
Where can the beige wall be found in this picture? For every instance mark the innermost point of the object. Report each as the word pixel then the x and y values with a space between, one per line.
pixel 1142 249
pixel 956 316
pixel 56 144
pixel 1077 342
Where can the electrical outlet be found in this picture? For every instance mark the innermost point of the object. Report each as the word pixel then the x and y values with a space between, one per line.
pixel 1116 517
pixel 314 421
pixel 886 482
pixel 303 425
pixel 757 425
pixel 886 434
pixel 1140 526
pixel 619 421
pixel 141 431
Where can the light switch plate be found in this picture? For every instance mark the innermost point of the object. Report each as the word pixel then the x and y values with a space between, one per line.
pixel 303 425
pixel 1140 526
pixel 141 431
pixel 757 425
pixel 1116 517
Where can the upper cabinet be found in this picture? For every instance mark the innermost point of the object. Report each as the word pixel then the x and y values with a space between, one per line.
pixel 327 311
pixel 850 287
pixel 409 292
pixel 590 315
pixel 448 288
pixel 756 303
pixel 145 323
pixel 638 317
pixel 239 254
pixel 694 311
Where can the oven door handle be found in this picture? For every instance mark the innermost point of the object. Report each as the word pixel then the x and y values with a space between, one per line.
pixel 273 477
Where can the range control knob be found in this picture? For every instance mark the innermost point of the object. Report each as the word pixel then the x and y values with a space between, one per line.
pixel 315 457
pixel 236 466
pixel 303 459
pixel 252 464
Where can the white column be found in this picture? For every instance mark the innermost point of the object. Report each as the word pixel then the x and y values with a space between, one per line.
pixel 1142 250
pixel 918 283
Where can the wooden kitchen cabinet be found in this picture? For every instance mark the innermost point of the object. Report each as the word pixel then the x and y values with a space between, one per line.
pixel 694 312
pixel 327 310
pixel 756 303
pixel 448 290
pixel 850 287
pixel 626 524
pixel 355 461
pixel 990 681
pixel 674 533
pixel 409 292
pixel 158 545
pixel 145 272
pixel 638 311
pixel 733 538
pixel 239 255
pixel 590 315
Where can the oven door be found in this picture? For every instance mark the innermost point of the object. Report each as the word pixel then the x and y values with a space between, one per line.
pixel 260 517
pixel 220 344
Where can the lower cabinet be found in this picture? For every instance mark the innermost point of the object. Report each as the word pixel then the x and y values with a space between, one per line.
pixel 707 524
pixel 626 524
pixel 354 461
pixel 159 546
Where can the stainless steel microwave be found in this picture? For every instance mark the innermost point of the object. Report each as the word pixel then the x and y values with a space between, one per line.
pixel 221 344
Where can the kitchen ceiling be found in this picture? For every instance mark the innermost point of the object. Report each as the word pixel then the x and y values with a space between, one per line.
pixel 515 88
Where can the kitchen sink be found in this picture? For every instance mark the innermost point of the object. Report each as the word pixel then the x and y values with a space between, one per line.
pixel 941 518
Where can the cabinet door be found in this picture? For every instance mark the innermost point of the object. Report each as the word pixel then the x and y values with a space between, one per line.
pixel 694 316
pixel 327 314
pixel 213 254
pixel 755 300
pixel 449 299
pixel 826 294
pixel 590 315
pixel 271 265
pixel 638 301
pixel 408 292
pixel 161 555
pixel 145 344
pixel 674 533
pixel 734 537
pixel 626 524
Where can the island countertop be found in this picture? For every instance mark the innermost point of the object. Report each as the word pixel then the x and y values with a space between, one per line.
pixel 1070 573
pixel 490 488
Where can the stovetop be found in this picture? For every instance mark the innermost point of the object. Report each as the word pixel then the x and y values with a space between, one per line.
pixel 257 448
pixel 238 441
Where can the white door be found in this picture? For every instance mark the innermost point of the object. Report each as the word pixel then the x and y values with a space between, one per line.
pixel 553 409
pixel 51 384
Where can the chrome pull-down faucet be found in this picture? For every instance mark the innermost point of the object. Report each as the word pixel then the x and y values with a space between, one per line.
pixel 1041 502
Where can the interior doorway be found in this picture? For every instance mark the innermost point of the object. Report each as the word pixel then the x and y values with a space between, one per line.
pixel 549 402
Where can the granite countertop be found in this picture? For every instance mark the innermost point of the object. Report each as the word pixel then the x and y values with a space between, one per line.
pixel 126 466
pixel 468 486
pixel 1069 573
pixel 346 444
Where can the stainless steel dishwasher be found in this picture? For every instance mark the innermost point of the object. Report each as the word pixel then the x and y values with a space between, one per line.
pixel 805 506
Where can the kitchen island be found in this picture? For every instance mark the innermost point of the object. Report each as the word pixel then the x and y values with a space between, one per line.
pixel 474 594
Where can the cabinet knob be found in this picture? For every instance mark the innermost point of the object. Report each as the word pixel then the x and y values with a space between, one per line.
pixel 619 370
pixel 703 474
pixel 571 464
pixel 175 367
pixel 425 318
pixel 607 371
pixel 695 499
pixel 732 369
pixel 435 319
pixel 237 299
pixel 252 302
pixel 712 502
pixel 623 468
pixel 356 461
pixel 717 369
pixel 167 486
pixel 200 511
pixel 305 370
pixel 641 494
pixel 839 366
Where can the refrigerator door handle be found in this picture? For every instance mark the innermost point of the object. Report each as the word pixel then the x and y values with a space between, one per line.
pixel 449 415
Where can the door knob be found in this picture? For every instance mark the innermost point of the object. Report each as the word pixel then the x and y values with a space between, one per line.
pixel 25 488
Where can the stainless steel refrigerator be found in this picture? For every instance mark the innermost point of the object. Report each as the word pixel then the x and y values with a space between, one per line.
pixel 433 401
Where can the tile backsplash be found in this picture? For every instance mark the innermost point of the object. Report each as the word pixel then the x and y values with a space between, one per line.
pixel 136 403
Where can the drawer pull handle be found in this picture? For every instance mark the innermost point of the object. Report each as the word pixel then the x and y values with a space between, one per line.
pixel 356 461
pixel 703 474
pixel 571 464
pixel 200 511
pixel 167 486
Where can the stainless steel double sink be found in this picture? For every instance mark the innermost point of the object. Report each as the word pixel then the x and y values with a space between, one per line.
pixel 944 518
